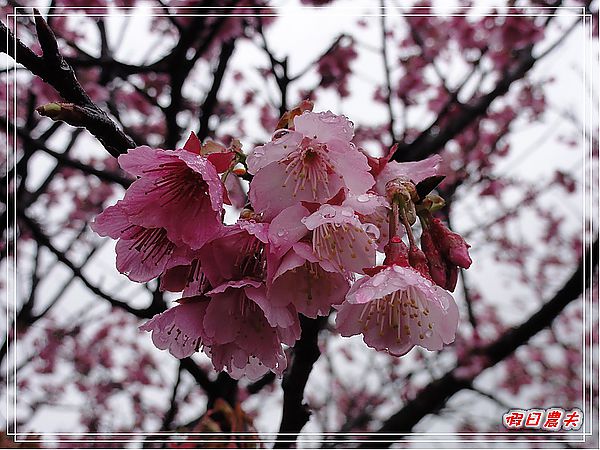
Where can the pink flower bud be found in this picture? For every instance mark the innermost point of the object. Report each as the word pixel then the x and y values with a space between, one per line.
pixel 451 244
pixel 396 252
pixel 451 278
pixel 418 261
pixel 437 267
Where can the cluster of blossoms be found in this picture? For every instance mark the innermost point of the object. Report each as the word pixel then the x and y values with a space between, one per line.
pixel 319 211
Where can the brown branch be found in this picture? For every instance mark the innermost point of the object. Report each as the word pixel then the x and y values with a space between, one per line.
pixel 44 241
pixel 211 100
pixel 432 140
pixel 306 352
pixel 54 70
pixel 64 160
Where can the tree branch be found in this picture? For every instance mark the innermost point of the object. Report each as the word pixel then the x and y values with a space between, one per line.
pixel 306 352
pixel 432 140
pixel 54 70
pixel 210 102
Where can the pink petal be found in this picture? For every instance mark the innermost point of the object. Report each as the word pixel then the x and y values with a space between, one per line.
pixel 286 228
pixel 271 191
pixel 179 329
pixel 415 171
pixel 278 316
pixel 112 222
pixel 324 126
pixel 137 160
pixel 352 165
pixel 312 290
pixel 191 222
pixel 273 151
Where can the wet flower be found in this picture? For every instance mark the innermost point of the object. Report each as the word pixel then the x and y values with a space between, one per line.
pixel 310 285
pixel 396 309
pixel 339 237
pixel 180 329
pixel 234 324
pixel 143 253
pixel 178 191
pixel 310 163
pixel 246 331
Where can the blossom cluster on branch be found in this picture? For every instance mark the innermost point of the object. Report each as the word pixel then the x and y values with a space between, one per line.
pixel 319 210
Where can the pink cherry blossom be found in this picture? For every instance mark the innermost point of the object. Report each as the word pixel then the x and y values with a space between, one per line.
pixel 178 191
pixel 397 309
pixel 415 171
pixel 374 209
pixel 310 285
pixel 188 278
pixel 240 253
pixel 142 253
pixel 180 329
pixel 311 163
pixel 251 342
pixel 339 237
pixel 287 228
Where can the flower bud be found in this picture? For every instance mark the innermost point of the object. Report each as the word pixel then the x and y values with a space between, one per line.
pixel 396 252
pixel 418 261
pixel 432 203
pixel 451 244
pixel 401 189
pixel 437 268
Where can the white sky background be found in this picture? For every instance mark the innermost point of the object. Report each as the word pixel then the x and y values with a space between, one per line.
pixel 303 34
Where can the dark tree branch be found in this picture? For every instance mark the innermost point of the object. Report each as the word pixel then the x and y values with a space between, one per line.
pixel 198 374
pixel 54 70
pixel 173 407
pixel 433 140
pixel 65 161
pixel 279 72
pixel 305 354
pixel 188 364
pixel 44 241
pixel 386 71
pixel 436 394
pixel 210 102
pixel 257 386
pixel 180 67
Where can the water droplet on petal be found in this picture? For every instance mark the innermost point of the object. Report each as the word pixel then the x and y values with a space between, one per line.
pixel 279 134
pixel 397 269
pixel 347 213
pixel 328 212
pixel 428 333
pixel 281 233
pixel 365 294
pixel 378 279
pixel 363 198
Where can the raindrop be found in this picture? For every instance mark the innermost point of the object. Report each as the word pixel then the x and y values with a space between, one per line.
pixel 279 134
pixel 328 212
pixel 366 293
pixel 379 278
pixel 428 333
pixel 363 198
pixel 347 213
pixel 281 233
